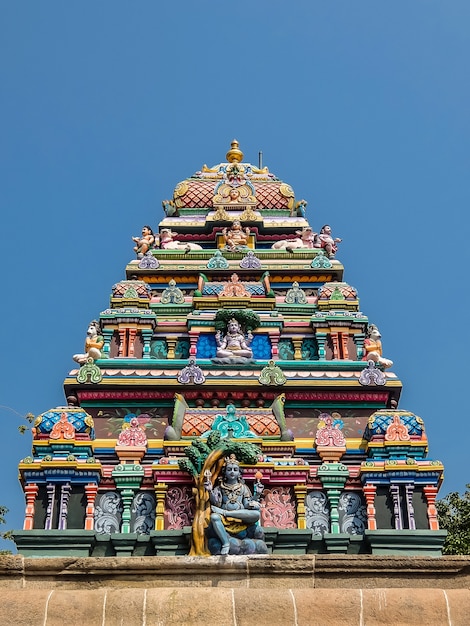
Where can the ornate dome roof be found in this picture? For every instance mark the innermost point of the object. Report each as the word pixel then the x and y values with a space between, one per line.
pixel 234 183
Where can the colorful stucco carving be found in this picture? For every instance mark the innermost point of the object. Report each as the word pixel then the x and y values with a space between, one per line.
pixel 232 399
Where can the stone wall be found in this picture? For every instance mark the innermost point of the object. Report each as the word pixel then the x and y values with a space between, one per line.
pixel 336 590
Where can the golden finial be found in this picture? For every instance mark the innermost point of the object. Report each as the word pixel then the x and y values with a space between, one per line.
pixel 234 155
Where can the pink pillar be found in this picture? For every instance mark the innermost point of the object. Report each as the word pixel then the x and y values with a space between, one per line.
pixel 31 491
pixel 91 490
pixel 369 492
pixel 431 492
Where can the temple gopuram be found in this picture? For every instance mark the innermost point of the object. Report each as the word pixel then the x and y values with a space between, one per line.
pixel 232 398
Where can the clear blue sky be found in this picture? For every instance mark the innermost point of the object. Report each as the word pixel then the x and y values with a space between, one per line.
pixel 363 107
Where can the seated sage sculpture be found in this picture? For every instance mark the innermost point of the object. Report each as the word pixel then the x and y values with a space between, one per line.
pixel 234 344
pixel 235 512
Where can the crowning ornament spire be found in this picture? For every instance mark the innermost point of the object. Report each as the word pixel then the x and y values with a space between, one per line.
pixel 234 155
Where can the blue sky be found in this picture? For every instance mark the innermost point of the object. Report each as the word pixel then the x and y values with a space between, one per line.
pixel 361 106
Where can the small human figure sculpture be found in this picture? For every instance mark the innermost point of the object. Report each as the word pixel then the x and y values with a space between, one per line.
pixel 168 243
pixel 234 510
pixel 236 237
pixel 373 347
pixel 305 239
pixel 234 343
pixel 325 240
pixel 145 242
pixel 93 344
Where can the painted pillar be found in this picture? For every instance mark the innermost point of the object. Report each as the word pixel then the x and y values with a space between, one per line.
pixel 30 491
pixel 193 337
pixel 358 339
pixel 50 505
pixel 147 337
pixel 395 493
pixel 128 478
pixel 369 492
pixel 274 338
pixel 301 493
pixel 90 490
pixel 297 341
pixel 132 336
pixel 171 343
pixel 107 336
pixel 430 491
pixel 409 489
pixel 333 477
pixel 64 505
pixel 160 495
pixel 335 339
pixel 122 342
pixel 321 340
pixel 344 345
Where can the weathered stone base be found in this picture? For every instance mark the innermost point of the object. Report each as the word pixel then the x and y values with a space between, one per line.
pixel 341 590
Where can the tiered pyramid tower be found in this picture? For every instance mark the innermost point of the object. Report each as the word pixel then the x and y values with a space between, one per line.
pixel 234 318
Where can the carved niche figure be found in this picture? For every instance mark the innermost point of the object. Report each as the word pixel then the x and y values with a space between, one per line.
pixel 325 240
pixel 236 237
pixel 234 345
pixel 93 344
pixel 305 239
pixel 168 243
pixel 373 347
pixel 145 242
pixel 234 513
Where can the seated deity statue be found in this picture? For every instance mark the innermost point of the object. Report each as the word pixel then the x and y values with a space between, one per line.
pixel 373 347
pixel 234 343
pixel 325 240
pixel 93 344
pixel 235 513
pixel 235 237
pixel 145 242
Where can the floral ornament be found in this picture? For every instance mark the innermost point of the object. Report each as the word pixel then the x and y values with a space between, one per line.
pixel 321 261
pixel 272 375
pixel 192 373
pixel 148 262
pixel 250 261
pixel 217 262
pixel 371 375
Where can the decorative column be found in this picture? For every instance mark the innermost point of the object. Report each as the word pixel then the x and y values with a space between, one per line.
pixel 409 489
pixel 31 491
pixel 50 505
pixel 160 495
pixel 274 338
pixel 147 334
pixel 107 336
pixel 128 475
pixel 369 492
pixel 300 494
pixel 358 339
pixel 321 340
pixel 64 505
pixel 90 490
pixel 344 345
pixel 297 341
pixel 131 345
pixel 430 492
pixel 395 493
pixel 193 337
pixel 335 339
pixel 122 342
pixel 171 344
pixel 333 477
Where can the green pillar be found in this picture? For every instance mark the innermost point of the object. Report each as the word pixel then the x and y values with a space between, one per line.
pixel 333 477
pixel 128 478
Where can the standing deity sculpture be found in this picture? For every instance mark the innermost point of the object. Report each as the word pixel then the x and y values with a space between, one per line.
pixel 325 240
pixel 145 242
pixel 93 344
pixel 234 345
pixel 235 513
pixel 373 347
